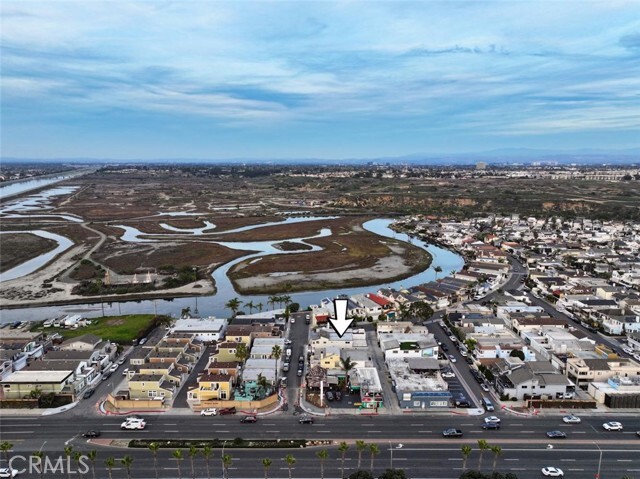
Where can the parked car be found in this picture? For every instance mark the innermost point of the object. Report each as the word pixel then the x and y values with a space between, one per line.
pixel 133 424
pixel 444 347
pixel 285 368
pixel 452 358
pixel 293 320
pixel 612 426
pixel 338 395
pixel 448 374
pixel 556 435
pixel 571 419
pixel 106 375
pixel 88 393
pixel 250 419
pixel 552 472
pixel 125 371
pixel 226 410
pixel 91 433
pixel 142 341
pixel 306 420
pixel 484 387
pixel 299 373
pixel 209 412
pixel 329 396
pixel 114 367
pixel 452 433
pixel 628 350
pixel 121 361
pixel 491 425
pixel 6 472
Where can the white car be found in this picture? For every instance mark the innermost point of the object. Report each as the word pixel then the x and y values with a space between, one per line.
pixel 484 387
pixel 489 419
pixel 453 338
pixel 114 367
pixel 628 350
pixel 612 426
pixel 133 424
pixel 568 395
pixel 125 372
pixel 6 472
pixel 293 320
pixel 636 357
pixel 452 358
pixel 449 374
pixel 552 472
pixel 571 419
pixel 209 412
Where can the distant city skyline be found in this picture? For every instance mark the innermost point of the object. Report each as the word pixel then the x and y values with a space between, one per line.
pixel 324 80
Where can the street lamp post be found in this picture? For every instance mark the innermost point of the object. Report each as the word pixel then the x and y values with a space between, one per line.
pixel 599 460
pixel 391 453
pixel 222 457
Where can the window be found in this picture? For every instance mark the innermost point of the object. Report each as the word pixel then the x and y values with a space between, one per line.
pixel 151 394
pixel 223 394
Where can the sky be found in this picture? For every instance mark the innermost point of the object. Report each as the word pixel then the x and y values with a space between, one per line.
pixel 331 79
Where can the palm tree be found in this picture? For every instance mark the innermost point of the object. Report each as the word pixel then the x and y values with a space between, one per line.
pixel 347 365
pixel 360 446
pixel 5 447
pixel 272 301
pixel 374 450
pixel 178 456
pixel 77 456
pixel 68 451
pixel 193 452
pixel 227 460
pixel 276 353
pixel 110 462
pixel 154 447
pixel 290 460
pixel 266 463
pixel 92 455
pixel 466 452
pixel 262 383
pixel 241 352
pixel 206 453
pixel 127 462
pixel 497 452
pixel 233 305
pixel 249 305
pixel 286 299
pixel 322 454
pixel 260 306
pixel 343 447
pixel 186 312
pixel 40 455
pixel 483 445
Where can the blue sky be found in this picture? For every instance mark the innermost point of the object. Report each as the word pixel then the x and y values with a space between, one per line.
pixel 331 79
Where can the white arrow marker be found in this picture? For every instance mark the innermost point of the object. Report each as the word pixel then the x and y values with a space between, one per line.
pixel 340 323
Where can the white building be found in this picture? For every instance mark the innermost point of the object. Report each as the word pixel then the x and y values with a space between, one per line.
pixel 205 329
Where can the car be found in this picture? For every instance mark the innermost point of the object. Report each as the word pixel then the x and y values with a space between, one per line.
pixel 106 375
pixel 612 426
pixel 463 402
pixel 250 419
pixel 293 320
pixel 571 419
pixel 638 433
pixel 452 358
pixel 491 425
pixel 552 472
pixel 628 350
pixel 453 338
pixel 121 361
pixel 283 381
pixel 338 395
pixel 88 393
pixel 306 420
pixel 133 424
pixel 209 412
pixel 445 348
pixel 299 373
pixel 142 341
pixel 125 371
pixel 464 354
pixel 468 360
pixel 452 433
pixel 489 419
pixel 484 387
pixel 91 433
pixel 329 395
pixel 636 357
pixel 448 374
pixel 285 368
pixel 6 472
pixel 556 435
pixel 226 410
pixel 568 395
pixel 288 342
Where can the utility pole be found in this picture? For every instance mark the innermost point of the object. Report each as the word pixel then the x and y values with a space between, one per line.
pixel 599 460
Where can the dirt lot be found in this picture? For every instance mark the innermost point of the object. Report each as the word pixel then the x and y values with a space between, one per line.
pixel 18 248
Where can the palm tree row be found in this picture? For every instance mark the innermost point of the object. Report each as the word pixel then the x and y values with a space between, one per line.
pixel 483 446
pixel 285 298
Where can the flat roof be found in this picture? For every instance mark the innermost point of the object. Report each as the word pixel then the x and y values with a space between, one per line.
pixel 33 377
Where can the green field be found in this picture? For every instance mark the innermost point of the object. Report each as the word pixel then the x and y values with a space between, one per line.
pixel 119 329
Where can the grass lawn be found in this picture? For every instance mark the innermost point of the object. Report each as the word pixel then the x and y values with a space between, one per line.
pixel 119 329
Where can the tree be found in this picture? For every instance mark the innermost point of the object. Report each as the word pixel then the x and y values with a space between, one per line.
pixel 516 353
pixel 233 305
pixel 347 365
pixel 227 460
pixel 68 452
pixel 360 446
pixel 262 383
pixel 260 306
pixel 92 456
pixel 272 300
pixel 374 450
pixel 40 455
pixel 178 456
pixel 127 462
pixel 5 447
pixel 421 310
pixel 206 453
pixel 361 475
pixel 322 454
pixel 393 474
pixel 266 463
pixel 497 452
pixel 193 452
pixel 154 447
pixel 343 447
pixel 241 352
pixel 77 456
pixel 290 460
pixel 110 462
pixel 250 305
pixel 483 445
pixel 276 353
pixel 466 452
pixel 186 312
pixel 438 270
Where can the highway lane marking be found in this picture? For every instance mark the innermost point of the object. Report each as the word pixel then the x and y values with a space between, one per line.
pixel 512 459
pixel 575 469
pixel 400 459
pixel 424 431
pixel 273 431
pixel 268 424
pixel 517 424
pixel 624 460
pixel 18 432
pixel 566 460
pixel 417 425
pixel 222 431
pixel 20 425
pixel 171 424
pixel 170 468
pixel 373 431
pixel 580 432
pixel 526 432
pixel 174 430
pixel 323 431
pixel 455 459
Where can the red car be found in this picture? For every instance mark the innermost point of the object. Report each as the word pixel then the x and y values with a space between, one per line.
pixel 226 410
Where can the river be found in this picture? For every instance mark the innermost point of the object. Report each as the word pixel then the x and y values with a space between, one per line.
pixel 214 305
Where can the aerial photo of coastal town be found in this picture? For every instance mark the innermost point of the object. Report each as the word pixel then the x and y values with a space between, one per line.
pixel 320 240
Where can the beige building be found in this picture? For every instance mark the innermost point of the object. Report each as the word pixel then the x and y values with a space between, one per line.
pixel 582 371
pixel 19 384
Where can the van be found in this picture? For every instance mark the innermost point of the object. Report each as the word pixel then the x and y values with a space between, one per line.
pixel 288 352
pixel 488 405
